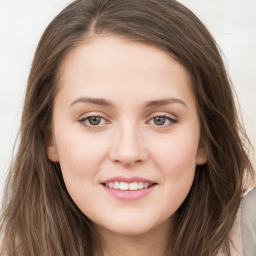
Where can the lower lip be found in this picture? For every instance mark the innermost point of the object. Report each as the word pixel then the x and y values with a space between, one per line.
pixel 128 195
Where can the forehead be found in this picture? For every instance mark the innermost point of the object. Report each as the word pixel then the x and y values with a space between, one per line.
pixel 117 68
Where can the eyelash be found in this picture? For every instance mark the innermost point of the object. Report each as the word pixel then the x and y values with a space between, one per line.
pixel 85 119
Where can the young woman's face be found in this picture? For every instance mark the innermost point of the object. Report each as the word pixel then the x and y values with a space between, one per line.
pixel 125 116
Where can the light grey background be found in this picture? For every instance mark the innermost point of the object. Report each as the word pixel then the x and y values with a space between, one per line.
pixel 232 23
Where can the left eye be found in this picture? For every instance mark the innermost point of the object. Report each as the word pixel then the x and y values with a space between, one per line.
pixel 161 120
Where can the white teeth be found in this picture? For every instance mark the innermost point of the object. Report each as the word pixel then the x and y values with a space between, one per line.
pixel 116 185
pixel 145 185
pixel 124 186
pixel 141 186
pixel 133 186
pixel 127 186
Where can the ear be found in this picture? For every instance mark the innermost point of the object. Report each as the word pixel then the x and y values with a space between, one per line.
pixel 201 157
pixel 52 151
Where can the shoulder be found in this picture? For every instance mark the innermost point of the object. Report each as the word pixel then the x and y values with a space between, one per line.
pixel 248 223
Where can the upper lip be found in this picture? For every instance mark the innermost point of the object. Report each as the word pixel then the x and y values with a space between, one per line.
pixel 128 180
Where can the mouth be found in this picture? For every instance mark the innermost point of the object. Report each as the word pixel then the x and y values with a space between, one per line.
pixel 128 189
pixel 128 185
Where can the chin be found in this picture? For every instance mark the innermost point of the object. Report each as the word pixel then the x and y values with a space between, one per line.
pixel 133 227
pixel 129 230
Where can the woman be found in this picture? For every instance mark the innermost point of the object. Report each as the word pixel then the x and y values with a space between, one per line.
pixel 130 141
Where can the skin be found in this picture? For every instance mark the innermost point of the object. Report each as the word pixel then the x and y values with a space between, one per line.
pixel 128 141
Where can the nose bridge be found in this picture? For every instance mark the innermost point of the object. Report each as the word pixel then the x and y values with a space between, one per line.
pixel 128 147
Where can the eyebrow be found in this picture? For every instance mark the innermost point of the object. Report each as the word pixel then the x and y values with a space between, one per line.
pixel 106 103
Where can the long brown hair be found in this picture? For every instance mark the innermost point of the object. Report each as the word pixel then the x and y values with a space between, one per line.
pixel 38 215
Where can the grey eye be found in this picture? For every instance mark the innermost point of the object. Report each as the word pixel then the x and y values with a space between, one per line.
pixel 159 120
pixel 163 121
pixel 94 120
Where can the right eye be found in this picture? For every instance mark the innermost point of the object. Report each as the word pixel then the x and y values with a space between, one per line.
pixel 92 121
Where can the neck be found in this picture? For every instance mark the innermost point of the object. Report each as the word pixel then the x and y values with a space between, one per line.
pixel 152 243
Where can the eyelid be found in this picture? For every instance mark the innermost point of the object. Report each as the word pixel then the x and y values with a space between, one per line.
pixel 91 114
pixel 156 114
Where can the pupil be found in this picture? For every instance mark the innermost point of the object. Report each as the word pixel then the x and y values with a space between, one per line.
pixel 160 120
pixel 95 120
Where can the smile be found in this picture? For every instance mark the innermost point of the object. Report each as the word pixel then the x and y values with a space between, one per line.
pixel 128 186
pixel 128 189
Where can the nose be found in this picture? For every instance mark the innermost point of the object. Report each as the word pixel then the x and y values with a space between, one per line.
pixel 127 146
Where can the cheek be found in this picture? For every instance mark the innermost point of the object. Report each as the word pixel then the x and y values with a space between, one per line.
pixel 177 153
pixel 80 155
pixel 176 159
pixel 80 159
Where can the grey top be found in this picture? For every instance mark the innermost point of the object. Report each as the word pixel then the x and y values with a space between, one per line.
pixel 248 224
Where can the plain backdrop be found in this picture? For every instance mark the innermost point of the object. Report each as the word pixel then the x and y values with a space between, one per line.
pixel 232 23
